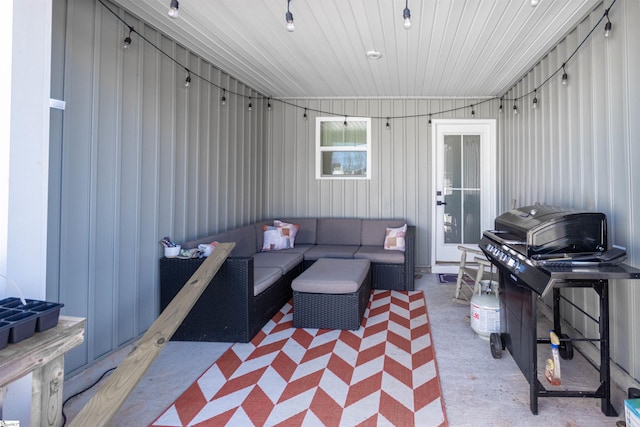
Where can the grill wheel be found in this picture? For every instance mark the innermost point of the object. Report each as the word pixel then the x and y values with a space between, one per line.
pixel 566 347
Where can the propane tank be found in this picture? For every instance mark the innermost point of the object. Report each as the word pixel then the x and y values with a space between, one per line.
pixel 485 309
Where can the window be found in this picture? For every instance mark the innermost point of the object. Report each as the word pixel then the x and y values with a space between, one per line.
pixel 343 151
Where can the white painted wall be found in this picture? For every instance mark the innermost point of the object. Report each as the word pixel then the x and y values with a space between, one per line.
pixel 24 129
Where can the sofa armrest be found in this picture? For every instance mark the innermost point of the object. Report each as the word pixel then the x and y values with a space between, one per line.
pixel 410 256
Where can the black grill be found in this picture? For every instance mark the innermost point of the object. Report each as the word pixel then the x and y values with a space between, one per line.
pixel 540 249
pixel 538 245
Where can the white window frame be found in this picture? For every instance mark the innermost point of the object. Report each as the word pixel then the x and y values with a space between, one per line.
pixel 366 148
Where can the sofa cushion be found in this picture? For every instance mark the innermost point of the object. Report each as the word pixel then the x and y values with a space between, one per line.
pixel 259 226
pixel 263 277
pixel 380 255
pixel 285 260
pixel 374 230
pixel 300 249
pixel 244 238
pixel 338 231
pixel 307 232
pixel 330 251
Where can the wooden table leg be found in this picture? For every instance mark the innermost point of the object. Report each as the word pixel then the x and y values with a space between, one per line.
pixel 3 392
pixel 46 394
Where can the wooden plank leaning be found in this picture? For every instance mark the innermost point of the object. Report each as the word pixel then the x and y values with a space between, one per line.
pixel 104 405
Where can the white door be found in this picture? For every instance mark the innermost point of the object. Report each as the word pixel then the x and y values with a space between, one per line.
pixel 464 164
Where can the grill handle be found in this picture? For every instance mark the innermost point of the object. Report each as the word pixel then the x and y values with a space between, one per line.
pixel 493 234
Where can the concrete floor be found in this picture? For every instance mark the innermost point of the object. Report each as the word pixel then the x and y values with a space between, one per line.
pixel 478 390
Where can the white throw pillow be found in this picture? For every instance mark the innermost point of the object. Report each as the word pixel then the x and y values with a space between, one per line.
pixel 395 238
pixel 274 239
pixel 290 230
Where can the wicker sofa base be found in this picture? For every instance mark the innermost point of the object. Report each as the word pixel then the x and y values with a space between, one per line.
pixel 331 311
pixel 227 311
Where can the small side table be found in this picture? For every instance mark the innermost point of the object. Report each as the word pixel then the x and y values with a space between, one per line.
pixel 43 355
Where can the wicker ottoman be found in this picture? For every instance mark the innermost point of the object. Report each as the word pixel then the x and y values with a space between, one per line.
pixel 332 294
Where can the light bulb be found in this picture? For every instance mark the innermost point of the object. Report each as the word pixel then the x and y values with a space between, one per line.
pixel 126 43
pixel 173 9
pixel 223 100
pixel 565 78
pixel 268 105
pixel 250 106
pixel 515 109
pixel 535 103
pixel 406 14
pixel 304 116
pixel 607 28
pixel 289 17
pixel 388 125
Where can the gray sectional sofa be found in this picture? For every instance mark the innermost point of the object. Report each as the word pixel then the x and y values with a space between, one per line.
pixel 253 285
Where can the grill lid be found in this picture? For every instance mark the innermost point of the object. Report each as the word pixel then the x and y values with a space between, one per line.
pixel 543 229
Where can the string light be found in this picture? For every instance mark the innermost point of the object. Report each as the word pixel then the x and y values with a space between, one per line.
pixel 269 104
pixel 406 14
pixel 173 9
pixel 289 16
pixel 173 12
pixel 304 116
pixel 388 125
pixel 127 41
pixel 345 121
pixel 187 81
pixel 535 99
pixel 250 108
pixel 473 112
pixel 223 100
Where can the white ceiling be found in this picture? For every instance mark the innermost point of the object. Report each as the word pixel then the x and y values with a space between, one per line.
pixel 455 48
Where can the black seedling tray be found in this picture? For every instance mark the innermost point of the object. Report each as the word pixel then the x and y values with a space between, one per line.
pixel 49 312
pixel 5 328
pixel 23 326
pixel 23 320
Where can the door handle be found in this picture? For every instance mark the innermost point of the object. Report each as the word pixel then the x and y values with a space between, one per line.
pixel 439 203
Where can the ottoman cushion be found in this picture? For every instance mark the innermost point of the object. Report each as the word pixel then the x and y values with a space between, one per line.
pixel 332 276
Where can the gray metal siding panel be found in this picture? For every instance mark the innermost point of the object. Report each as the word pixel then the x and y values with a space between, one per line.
pixel 141 157
pixel 401 181
pixel 579 149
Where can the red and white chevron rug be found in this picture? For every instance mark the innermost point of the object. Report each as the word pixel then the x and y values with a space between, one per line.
pixel 385 373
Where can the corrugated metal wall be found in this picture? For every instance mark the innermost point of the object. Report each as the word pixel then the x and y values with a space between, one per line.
pixel 401 185
pixel 137 156
pixel 580 149
pixel 140 157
